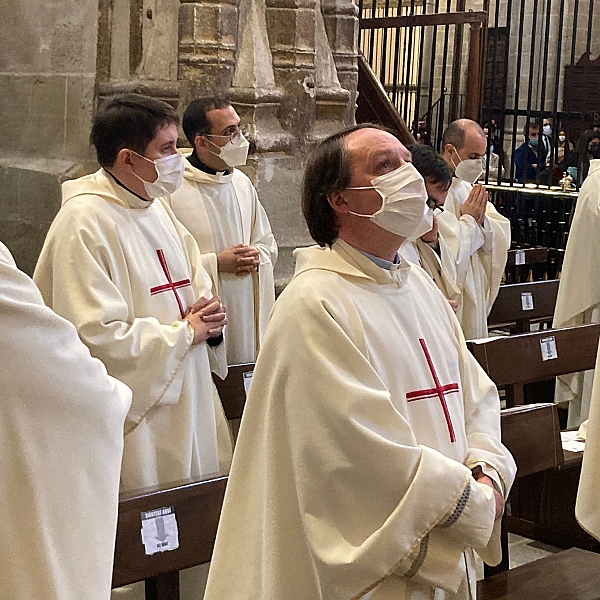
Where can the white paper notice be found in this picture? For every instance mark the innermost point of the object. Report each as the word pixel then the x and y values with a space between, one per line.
pixel 548 345
pixel 520 257
pixel 247 381
pixel 159 530
pixel 527 301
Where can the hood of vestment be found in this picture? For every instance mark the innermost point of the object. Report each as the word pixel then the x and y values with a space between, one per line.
pixel 102 184
pixel 348 262
pixel 190 172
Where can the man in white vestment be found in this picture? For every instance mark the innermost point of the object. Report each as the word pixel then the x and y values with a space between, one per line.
pixel 578 301
pixel 380 467
pixel 426 250
pixel 61 428
pixel 219 206
pixel 587 508
pixel 476 237
pixel 120 266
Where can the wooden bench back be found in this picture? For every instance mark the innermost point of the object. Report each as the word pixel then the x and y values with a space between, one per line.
pixel 197 507
pixel 516 360
pixel 520 264
pixel 519 304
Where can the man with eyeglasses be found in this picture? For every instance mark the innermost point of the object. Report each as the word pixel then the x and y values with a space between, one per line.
pixel 220 207
pixel 427 249
pixel 476 235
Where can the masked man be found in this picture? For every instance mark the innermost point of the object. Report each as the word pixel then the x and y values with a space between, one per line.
pixel 476 237
pixel 426 250
pixel 119 265
pixel 219 206
pixel 369 463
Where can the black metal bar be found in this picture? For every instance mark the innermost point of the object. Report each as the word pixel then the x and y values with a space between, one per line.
pixel 408 67
pixel 420 76
pixel 588 44
pixel 431 104
pixel 561 19
pixel 372 34
pixel 447 18
pixel 383 76
pixel 442 106
pixel 396 60
pixel 574 33
pixel 517 90
pixel 543 91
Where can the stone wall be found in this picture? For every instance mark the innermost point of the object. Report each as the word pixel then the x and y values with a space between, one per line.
pixel 289 67
pixel 47 76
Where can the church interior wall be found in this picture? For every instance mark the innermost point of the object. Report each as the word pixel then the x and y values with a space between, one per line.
pixel 291 76
pixel 47 78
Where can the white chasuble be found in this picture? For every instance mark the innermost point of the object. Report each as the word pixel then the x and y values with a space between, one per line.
pixel 370 413
pixel 578 301
pixel 61 426
pixel 587 509
pixel 420 253
pixel 221 211
pixel 125 271
pixel 474 256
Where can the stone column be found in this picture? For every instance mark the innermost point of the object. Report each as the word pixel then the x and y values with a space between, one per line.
pixel 207 44
pixel 336 64
pixel 291 32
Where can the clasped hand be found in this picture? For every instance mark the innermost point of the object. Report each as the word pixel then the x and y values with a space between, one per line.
pixel 207 318
pixel 498 499
pixel 239 260
pixel 476 203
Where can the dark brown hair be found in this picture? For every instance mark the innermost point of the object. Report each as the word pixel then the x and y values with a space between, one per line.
pixel 327 170
pixel 128 121
pixel 195 122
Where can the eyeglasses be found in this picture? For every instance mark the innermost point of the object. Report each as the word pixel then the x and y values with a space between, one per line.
pixel 438 209
pixel 233 135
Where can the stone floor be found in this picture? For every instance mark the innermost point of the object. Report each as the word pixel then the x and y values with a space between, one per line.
pixel 522 551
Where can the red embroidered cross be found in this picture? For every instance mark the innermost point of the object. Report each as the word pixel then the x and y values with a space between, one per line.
pixel 439 390
pixel 172 285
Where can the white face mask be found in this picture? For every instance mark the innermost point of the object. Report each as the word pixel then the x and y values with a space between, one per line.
pixel 404 210
pixel 469 170
pixel 235 152
pixel 547 130
pixel 561 138
pixel 170 175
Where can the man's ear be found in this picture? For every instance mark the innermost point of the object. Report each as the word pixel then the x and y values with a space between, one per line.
pixel 200 141
pixel 337 201
pixel 124 160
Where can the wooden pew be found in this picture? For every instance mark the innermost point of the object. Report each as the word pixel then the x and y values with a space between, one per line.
pixel 196 505
pixel 521 263
pixel 513 361
pixel 570 575
pixel 542 504
pixel 518 305
pixel 532 435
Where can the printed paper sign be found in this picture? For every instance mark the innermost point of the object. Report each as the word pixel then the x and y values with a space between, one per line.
pixel 159 530
pixel 548 345
pixel 527 301
pixel 520 257
pixel 247 381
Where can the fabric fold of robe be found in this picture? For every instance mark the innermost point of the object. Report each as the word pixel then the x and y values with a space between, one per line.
pixel 61 426
pixel 355 487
